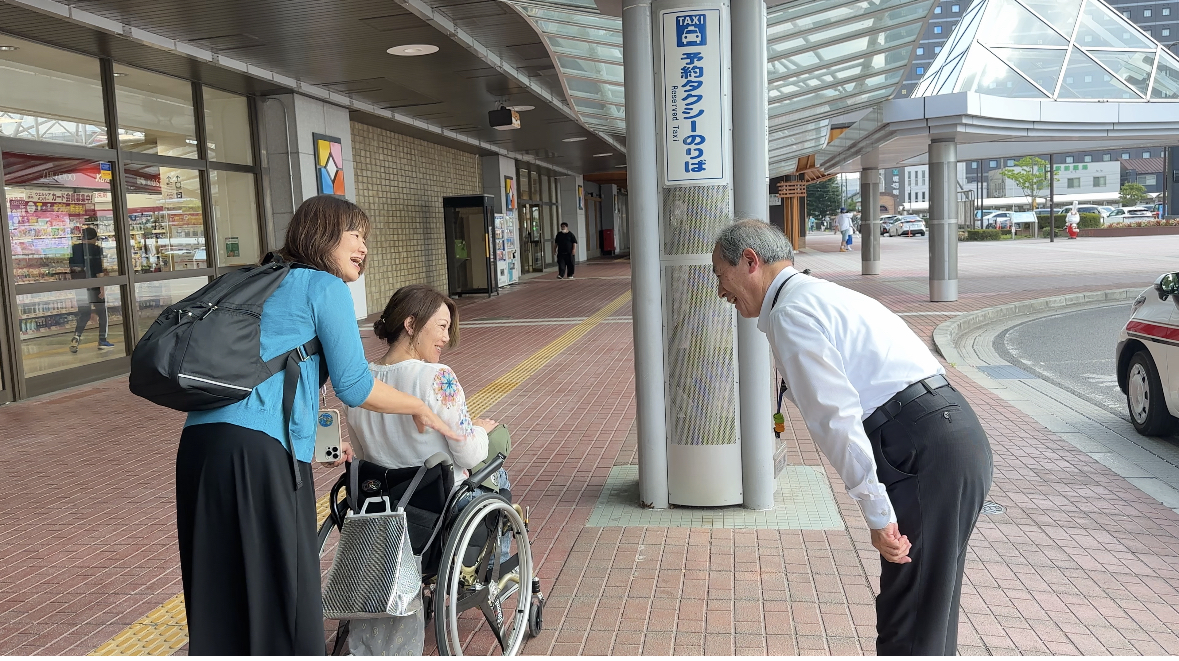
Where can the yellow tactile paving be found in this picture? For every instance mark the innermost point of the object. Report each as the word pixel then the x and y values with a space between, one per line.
pixel 165 629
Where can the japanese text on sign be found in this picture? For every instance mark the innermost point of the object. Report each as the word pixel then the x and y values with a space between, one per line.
pixel 693 97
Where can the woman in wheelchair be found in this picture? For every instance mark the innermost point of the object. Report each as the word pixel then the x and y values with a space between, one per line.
pixel 418 323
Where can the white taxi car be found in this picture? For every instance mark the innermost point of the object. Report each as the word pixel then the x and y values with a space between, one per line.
pixel 1148 358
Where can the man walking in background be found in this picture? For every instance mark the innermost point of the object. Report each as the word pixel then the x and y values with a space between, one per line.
pixel 86 262
pixel 564 244
pixel 877 403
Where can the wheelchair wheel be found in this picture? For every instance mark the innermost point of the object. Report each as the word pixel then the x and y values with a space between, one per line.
pixel 482 601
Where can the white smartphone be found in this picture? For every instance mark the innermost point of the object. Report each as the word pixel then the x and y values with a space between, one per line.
pixel 328 437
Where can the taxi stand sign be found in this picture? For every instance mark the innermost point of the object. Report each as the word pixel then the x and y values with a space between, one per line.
pixel 693 97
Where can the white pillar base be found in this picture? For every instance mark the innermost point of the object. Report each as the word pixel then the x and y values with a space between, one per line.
pixel 943 291
pixel 870 268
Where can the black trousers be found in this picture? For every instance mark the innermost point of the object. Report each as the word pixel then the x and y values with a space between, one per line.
pixel 935 461
pixel 565 265
pixel 84 312
pixel 248 553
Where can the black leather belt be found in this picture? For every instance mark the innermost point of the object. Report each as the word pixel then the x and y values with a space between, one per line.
pixel 889 410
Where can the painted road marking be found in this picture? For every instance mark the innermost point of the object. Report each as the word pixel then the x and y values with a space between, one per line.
pixel 165 629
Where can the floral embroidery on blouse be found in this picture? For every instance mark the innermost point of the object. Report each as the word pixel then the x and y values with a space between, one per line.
pixel 446 387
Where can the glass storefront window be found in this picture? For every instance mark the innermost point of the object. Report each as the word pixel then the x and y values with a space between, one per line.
pixel 166 219
pixel 152 298
pixel 56 206
pixel 155 113
pixel 50 322
pixel 235 216
pixel 50 95
pixel 525 193
pixel 227 125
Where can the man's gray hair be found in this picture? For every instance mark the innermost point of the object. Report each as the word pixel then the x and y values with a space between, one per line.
pixel 770 244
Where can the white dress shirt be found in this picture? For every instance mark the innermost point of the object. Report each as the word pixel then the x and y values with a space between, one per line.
pixel 842 355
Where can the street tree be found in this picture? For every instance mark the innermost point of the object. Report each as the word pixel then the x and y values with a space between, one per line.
pixel 823 198
pixel 1131 194
pixel 1030 175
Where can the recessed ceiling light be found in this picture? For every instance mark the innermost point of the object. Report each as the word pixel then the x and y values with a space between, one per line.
pixel 573 139
pixel 118 74
pixel 8 48
pixel 609 153
pixel 522 108
pixel 410 50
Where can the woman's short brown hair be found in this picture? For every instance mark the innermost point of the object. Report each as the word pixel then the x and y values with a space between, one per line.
pixel 316 229
pixel 418 302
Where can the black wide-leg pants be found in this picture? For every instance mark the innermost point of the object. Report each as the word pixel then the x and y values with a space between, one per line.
pixel 248 553
pixel 935 461
pixel 565 265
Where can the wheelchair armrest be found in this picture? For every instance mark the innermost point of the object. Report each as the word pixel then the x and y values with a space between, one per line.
pixel 439 458
pixel 493 465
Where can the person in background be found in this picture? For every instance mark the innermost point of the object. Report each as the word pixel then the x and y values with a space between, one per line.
pixel 843 223
pixel 86 262
pixel 417 324
pixel 563 245
pixel 249 560
pixel 909 449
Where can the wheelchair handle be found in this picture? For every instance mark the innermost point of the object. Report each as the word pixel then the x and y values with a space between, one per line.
pixel 439 458
pixel 493 465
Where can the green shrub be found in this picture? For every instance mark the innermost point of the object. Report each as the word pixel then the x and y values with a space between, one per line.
pixel 983 235
pixel 1090 221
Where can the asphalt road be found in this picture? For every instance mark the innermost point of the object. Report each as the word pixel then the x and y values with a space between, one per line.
pixel 1073 350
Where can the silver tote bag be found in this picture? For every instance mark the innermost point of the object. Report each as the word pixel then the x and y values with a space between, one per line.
pixel 374 573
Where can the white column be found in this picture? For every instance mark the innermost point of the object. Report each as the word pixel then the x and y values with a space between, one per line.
pixel 646 295
pixel 751 200
pixel 691 54
pixel 870 221
pixel 943 221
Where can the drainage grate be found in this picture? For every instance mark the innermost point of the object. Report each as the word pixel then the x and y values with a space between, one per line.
pixel 1005 372
pixel 991 507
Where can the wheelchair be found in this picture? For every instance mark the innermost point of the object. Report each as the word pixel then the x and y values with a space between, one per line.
pixel 478 580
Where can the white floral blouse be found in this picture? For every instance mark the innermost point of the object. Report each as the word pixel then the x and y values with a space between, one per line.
pixel 394 440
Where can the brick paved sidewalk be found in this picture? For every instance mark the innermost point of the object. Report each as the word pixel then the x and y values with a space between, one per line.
pixel 1080 561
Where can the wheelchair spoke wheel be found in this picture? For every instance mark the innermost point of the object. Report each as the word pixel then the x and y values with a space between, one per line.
pixel 336 632
pixel 479 606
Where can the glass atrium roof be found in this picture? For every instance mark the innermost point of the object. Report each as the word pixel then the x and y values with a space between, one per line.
pixel 1064 50
pixel 826 58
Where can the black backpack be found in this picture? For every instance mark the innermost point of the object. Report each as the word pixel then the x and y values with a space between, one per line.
pixel 205 351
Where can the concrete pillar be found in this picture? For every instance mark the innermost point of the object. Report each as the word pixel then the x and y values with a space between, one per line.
pixel 692 69
pixel 646 293
pixel 870 221
pixel 943 221
pixel 750 183
pixel 287 123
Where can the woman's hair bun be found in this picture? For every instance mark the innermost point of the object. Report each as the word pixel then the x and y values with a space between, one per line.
pixel 379 329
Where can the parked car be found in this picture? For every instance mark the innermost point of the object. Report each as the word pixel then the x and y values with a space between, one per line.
pixel 886 222
pixel 907 226
pixel 1132 214
pixel 1000 220
pixel 1091 208
pixel 1146 357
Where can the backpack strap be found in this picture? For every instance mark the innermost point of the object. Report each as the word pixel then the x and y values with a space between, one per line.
pixel 291 364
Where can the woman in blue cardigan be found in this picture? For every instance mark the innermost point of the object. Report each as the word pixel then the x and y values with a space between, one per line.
pixel 247 537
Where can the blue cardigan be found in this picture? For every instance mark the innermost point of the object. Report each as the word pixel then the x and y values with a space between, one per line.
pixel 307 304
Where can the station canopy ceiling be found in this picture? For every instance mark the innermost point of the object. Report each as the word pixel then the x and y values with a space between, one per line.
pixel 827 60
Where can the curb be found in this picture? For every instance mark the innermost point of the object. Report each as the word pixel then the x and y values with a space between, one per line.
pixel 947 332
